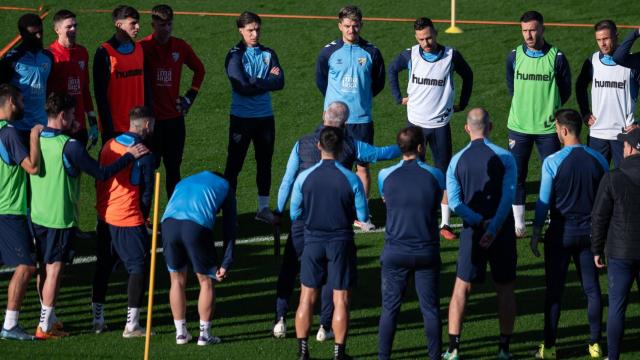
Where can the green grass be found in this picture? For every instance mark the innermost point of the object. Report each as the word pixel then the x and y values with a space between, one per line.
pixel 245 308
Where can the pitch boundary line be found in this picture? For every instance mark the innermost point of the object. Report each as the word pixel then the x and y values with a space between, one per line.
pixel 251 240
pixel 377 19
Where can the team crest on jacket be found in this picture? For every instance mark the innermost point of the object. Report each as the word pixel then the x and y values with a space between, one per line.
pixel 81 64
pixel 362 61
pixel 175 56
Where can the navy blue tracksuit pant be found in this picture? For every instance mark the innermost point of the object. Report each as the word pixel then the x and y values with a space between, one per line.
pixel 397 269
pixel 521 145
pixel 558 252
pixel 289 273
pixel 621 273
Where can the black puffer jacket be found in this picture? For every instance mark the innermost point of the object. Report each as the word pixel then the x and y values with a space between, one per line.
pixel 615 226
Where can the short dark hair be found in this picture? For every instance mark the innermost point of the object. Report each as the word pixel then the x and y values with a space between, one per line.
pixel 606 24
pixel 28 20
pixel 162 12
pixel 123 12
pixel 247 18
pixel 350 12
pixel 570 119
pixel 409 138
pixel 532 15
pixel 62 15
pixel 58 102
pixel 423 23
pixel 331 140
pixel 140 112
pixel 8 91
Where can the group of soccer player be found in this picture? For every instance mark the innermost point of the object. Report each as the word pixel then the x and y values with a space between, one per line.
pixel 45 98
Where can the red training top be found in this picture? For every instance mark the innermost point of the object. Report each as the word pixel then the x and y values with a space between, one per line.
pixel 163 65
pixel 126 85
pixel 70 74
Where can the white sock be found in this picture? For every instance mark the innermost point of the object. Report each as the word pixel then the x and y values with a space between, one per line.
pixel 181 327
pixel 446 214
pixel 45 318
pixel 263 202
pixel 97 309
pixel 11 319
pixel 518 216
pixel 204 328
pixel 133 318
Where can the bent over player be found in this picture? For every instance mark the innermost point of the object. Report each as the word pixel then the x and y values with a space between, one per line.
pixel 187 237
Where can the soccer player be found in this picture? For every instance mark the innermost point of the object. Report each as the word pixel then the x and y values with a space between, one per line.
pixel 329 198
pixel 27 67
pixel 71 75
pixel 430 96
pixel 15 243
pixel 305 154
pixel 164 56
pixel 539 81
pixel 254 71
pixel 481 181
pixel 123 203
pixel 351 69
pixel 187 236
pixel 614 92
pixel 615 231
pixel 570 179
pixel 411 191
pixel 55 200
pixel 622 54
pixel 118 75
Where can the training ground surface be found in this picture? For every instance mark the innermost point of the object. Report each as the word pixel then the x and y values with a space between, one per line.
pixel 244 313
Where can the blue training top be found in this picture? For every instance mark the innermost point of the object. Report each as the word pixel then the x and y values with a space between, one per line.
pixel 28 71
pixel 353 74
pixel 412 191
pixel 249 71
pixel 568 186
pixel 305 154
pixel 328 197
pixel 481 183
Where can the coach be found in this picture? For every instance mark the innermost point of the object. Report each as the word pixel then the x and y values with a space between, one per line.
pixel 254 71
pixel 539 81
pixel 411 191
pixel 616 233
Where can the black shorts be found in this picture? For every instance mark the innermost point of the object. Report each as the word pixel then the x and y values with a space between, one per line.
pixel 502 256
pixel 187 242
pixel 53 245
pixel 130 243
pixel 332 263
pixel 362 132
pixel 16 246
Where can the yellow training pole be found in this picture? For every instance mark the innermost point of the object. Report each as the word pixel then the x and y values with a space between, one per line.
pixel 453 29
pixel 152 272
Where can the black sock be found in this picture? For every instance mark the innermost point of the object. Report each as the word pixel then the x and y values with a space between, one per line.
pixel 454 342
pixel 504 342
pixel 338 351
pixel 135 290
pixel 303 346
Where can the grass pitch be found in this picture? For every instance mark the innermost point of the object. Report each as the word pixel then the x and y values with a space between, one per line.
pixel 244 313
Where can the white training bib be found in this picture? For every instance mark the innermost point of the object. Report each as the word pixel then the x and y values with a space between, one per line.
pixel 430 90
pixel 611 100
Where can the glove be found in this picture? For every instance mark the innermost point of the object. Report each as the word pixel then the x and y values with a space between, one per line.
pixel 93 129
pixel 535 238
pixel 183 103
